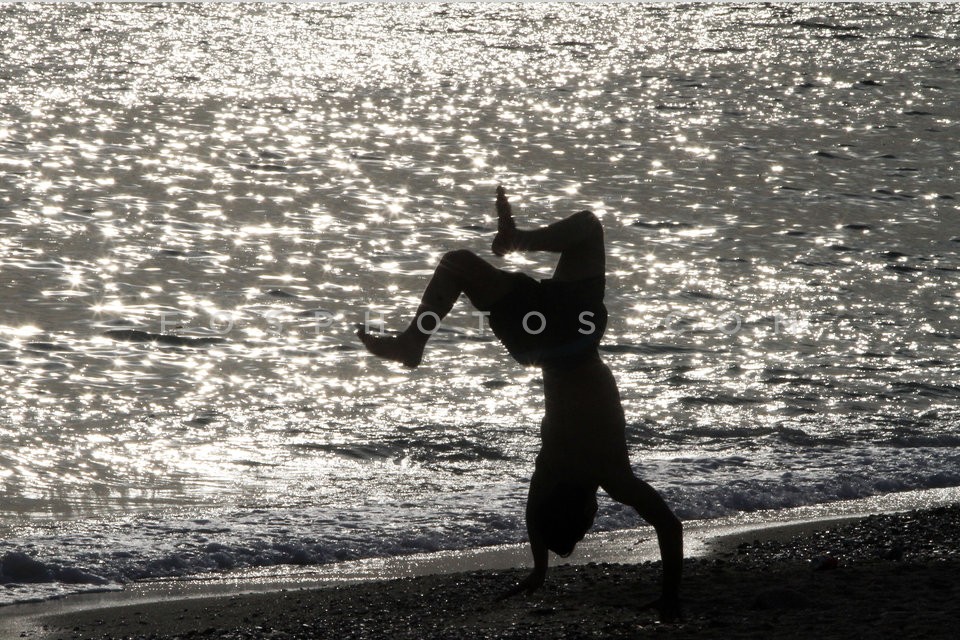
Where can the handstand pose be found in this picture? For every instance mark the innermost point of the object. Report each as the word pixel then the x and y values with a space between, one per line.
pixel 555 324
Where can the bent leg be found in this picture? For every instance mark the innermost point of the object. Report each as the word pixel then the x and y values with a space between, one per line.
pixel 458 272
pixel 584 256
pixel 578 239
pixel 626 488
pixel 462 271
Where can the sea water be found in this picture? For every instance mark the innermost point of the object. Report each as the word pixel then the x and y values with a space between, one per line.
pixel 777 185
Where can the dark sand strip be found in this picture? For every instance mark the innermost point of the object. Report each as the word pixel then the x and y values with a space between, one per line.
pixel 894 575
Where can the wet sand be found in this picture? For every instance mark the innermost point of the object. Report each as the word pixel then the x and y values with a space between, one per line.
pixel 869 578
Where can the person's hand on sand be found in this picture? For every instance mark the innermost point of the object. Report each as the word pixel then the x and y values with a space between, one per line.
pixel 503 243
pixel 528 585
pixel 668 608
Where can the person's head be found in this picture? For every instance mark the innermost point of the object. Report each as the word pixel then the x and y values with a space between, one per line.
pixel 563 515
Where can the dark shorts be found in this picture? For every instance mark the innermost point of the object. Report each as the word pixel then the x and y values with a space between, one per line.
pixel 550 322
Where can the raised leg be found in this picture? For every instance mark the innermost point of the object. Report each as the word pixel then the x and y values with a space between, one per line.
pixel 458 272
pixel 632 491
pixel 578 239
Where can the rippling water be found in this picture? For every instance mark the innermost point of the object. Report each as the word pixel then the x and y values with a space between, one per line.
pixel 778 187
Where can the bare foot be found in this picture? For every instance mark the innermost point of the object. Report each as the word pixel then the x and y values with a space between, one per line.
pixel 404 348
pixel 504 212
pixel 504 242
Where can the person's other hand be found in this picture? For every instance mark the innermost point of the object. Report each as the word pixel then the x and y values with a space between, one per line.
pixel 668 608
pixel 528 585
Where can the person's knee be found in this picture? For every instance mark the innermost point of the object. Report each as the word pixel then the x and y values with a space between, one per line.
pixel 461 262
pixel 458 257
pixel 589 221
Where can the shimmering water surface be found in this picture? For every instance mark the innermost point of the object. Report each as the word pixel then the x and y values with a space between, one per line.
pixel 778 186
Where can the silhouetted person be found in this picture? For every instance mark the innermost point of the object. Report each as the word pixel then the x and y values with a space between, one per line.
pixel 555 324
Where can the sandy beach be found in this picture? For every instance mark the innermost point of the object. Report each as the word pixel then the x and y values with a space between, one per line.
pixel 868 578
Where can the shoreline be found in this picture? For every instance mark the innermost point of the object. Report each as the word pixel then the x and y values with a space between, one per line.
pixel 616 554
